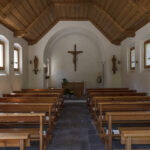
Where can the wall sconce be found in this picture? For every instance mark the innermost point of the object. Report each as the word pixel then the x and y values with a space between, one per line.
pixel 114 68
pixel 119 62
pixel 136 62
pixel 36 62
pixel 30 62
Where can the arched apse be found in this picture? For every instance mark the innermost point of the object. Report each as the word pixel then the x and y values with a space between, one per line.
pixel 89 63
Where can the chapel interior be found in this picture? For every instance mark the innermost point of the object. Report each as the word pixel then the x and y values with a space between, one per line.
pixel 74 74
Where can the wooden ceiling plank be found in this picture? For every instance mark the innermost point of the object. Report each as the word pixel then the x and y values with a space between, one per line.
pixel 51 16
pixel 36 19
pixel 8 6
pixel 108 16
pixel 20 17
pixel 33 6
pixel 41 35
pixel 139 8
pixel 29 10
pixel 42 20
pixel 44 3
pixel 142 10
pixel 104 33
pixel 3 3
pixel 40 6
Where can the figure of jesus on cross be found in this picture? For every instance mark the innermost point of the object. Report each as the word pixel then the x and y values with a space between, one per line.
pixel 75 53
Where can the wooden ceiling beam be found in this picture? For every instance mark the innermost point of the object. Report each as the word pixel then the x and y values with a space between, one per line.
pixel 104 33
pixel 142 10
pixel 41 35
pixel 8 7
pixel 128 33
pixel 22 33
pixel 19 33
pixel 109 17
pixel 135 5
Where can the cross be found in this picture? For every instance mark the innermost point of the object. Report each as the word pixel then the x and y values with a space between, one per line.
pixel 75 53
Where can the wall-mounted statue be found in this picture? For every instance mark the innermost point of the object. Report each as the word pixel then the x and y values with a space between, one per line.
pixel 36 62
pixel 114 68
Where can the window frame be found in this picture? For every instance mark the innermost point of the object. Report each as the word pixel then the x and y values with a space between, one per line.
pixel 131 49
pixel 3 44
pixel 145 43
pixel 18 50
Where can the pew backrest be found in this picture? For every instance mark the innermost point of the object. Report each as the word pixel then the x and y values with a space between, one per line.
pixel 29 99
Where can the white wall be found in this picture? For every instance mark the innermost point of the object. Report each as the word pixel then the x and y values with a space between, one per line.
pixel 59 40
pixel 10 81
pixel 88 63
pixel 140 78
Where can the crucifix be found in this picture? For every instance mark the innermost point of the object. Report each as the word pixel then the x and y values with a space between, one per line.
pixel 75 53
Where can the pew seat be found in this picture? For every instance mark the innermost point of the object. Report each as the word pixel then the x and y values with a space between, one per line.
pixel 131 136
pixel 123 117
pixel 14 140
pixel 21 118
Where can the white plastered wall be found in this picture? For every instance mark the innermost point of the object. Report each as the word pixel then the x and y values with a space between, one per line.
pixel 140 78
pixel 10 81
pixel 59 40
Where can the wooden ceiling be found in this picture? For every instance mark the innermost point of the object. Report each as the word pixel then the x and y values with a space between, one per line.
pixel 116 19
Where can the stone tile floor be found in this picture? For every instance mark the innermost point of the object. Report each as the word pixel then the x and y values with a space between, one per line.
pixel 75 130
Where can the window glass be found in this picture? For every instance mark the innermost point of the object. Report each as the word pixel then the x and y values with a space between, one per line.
pixel 16 59
pixel 132 58
pixel 147 55
pixel 1 56
pixel 2 59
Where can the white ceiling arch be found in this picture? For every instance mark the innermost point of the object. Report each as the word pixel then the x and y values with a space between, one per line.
pixel 74 30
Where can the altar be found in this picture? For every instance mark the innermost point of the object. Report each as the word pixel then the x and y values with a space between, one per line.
pixel 76 87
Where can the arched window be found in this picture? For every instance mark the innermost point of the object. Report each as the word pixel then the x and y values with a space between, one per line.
pixel 2 55
pixel 132 58
pixel 17 58
pixel 147 54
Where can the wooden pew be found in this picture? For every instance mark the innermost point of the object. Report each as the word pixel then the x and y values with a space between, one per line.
pixel 105 89
pixel 134 135
pixel 123 117
pixel 112 99
pixel 109 91
pixel 30 108
pixel 110 94
pixel 33 94
pixel 22 118
pixel 36 100
pixel 58 95
pixel 95 100
pixel 105 107
pixel 40 91
pixel 14 140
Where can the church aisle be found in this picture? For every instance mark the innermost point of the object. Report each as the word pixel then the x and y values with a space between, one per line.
pixel 75 130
